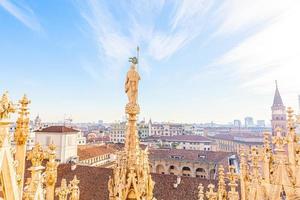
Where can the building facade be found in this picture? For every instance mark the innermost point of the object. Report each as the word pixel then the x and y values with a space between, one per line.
pixel 233 143
pixel 189 142
pixel 64 138
pixel 193 163
pixel 117 132
pixel 165 129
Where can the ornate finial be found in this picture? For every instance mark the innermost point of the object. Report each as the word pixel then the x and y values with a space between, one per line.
pixel 267 148
pixel 63 191
pixel 52 147
pixel 22 129
pixel 74 189
pixel 6 107
pixel 200 192
pixel 24 102
pixel 242 155
pixel 36 155
pixel 278 140
pixel 232 176
pixel 291 120
pixel 210 194
pixel 254 156
pixel 254 162
pixel 51 166
pixel 221 184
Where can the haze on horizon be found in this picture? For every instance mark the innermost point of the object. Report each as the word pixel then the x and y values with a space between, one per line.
pixel 200 61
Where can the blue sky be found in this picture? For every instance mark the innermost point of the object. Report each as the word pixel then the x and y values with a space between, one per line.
pixel 201 60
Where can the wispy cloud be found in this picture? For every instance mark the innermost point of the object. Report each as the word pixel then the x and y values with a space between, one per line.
pixel 160 27
pixel 269 53
pixel 22 12
pixel 264 36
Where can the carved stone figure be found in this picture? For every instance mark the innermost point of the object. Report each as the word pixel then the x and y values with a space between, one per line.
pixel 132 82
pixel 6 106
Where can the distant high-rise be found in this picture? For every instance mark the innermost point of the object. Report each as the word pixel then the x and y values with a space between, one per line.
pixel 278 113
pixel 261 123
pixel 237 123
pixel 249 122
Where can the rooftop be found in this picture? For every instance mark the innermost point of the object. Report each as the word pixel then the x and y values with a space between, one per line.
pixel 88 151
pixel 57 129
pixel 178 138
pixel 190 155
pixel 96 188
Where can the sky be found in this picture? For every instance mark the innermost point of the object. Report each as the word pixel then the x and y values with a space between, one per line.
pixel 200 60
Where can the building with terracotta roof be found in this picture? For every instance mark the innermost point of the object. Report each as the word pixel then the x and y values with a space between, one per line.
pixel 97 155
pixel 65 139
pixel 232 143
pixel 194 163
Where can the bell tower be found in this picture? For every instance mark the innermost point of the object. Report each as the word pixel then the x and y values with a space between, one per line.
pixel 278 113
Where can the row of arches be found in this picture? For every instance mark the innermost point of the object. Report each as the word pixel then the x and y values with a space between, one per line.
pixel 183 171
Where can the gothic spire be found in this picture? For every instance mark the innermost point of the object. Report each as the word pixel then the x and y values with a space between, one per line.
pixel 277 98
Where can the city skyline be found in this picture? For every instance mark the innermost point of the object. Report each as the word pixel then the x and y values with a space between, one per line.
pixel 211 72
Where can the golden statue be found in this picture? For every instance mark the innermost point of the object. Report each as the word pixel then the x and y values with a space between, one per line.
pixel 132 81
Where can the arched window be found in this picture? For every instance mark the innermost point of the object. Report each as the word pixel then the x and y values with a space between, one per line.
pixel 200 172
pixel 160 169
pixel 172 170
pixel 186 171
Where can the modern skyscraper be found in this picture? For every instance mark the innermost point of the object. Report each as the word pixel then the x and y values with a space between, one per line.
pixel 278 113
pixel 249 122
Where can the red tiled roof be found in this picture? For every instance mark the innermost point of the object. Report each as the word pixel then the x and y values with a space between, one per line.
pixel 190 155
pixel 57 129
pixel 94 183
pixel 191 138
pixel 224 136
pixel 87 151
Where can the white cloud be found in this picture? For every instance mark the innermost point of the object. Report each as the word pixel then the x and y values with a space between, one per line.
pixel 271 53
pixel 236 15
pixel 141 20
pixel 23 13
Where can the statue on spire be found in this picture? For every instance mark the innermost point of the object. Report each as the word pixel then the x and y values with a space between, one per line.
pixel 132 81
pixel 131 176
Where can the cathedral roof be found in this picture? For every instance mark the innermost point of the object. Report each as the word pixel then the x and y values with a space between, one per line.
pixel 277 98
